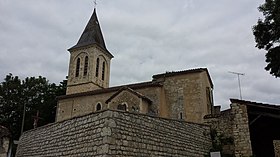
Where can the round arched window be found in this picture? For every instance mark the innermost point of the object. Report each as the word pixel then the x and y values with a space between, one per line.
pixel 122 106
pixel 98 107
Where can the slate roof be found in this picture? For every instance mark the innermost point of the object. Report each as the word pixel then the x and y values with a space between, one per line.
pixel 92 34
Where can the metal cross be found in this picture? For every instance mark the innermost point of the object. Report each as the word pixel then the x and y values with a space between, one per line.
pixel 36 119
pixel 95 3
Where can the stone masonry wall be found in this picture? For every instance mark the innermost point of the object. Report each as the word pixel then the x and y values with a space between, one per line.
pixel 184 96
pixel 222 123
pixel 141 135
pixel 276 144
pixel 241 133
pixel 115 133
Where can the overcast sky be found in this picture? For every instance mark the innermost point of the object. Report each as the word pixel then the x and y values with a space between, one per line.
pixel 146 37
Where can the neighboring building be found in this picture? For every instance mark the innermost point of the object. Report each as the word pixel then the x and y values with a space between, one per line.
pixel 4 141
pixel 247 128
pixel 184 95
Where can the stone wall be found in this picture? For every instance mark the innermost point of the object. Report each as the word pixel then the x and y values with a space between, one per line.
pixel 276 144
pixel 151 136
pixel 115 133
pixel 241 133
pixel 186 96
pixel 4 141
pixel 222 123
pixel 4 146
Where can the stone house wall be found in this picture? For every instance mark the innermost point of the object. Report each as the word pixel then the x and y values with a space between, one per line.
pixel 4 146
pixel 82 105
pixel 186 94
pixel 241 133
pixel 232 124
pixel 183 95
pixel 116 133
pixel 276 144
pixel 4 141
pixel 222 123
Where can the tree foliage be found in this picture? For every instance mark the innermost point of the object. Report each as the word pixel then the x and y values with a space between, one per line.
pixel 267 35
pixel 34 92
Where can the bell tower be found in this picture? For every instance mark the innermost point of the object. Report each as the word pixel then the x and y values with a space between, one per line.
pixel 89 66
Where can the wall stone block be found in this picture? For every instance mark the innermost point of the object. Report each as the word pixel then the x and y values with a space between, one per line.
pixel 116 133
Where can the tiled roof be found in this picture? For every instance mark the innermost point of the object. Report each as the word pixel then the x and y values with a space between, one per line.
pixel 256 104
pixel 175 73
pixel 112 89
pixel 130 90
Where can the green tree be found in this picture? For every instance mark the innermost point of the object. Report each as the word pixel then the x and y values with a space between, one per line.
pixel 11 104
pixel 36 93
pixel 267 35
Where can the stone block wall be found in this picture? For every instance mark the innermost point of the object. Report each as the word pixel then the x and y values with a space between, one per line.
pixel 241 133
pixel 222 123
pixel 141 135
pixel 115 133
pixel 276 144
pixel 186 97
pixel 4 146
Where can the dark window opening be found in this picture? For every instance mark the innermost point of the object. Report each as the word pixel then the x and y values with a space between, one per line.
pixel 98 107
pixel 86 66
pixel 97 67
pixel 181 115
pixel 78 67
pixel 103 70
pixel 209 96
pixel 122 107
pixel 134 109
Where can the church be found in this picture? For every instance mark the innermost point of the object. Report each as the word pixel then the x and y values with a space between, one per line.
pixel 172 115
pixel 184 95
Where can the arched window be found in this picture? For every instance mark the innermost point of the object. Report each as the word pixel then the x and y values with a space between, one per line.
pixel 77 67
pixel 122 107
pixel 103 71
pixel 86 66
pixel 98 107
pixel 97 67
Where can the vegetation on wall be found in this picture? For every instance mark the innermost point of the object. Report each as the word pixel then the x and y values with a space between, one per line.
pixel 36 93
pixel 220 140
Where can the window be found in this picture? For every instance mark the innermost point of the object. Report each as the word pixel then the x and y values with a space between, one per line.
pixel 98 107
pixel 103 71
pixel 86 66
pixel 134 109
pixel 78 67
pixel 97 67
pixel 181 115
pixel 209 97
pixel 122 107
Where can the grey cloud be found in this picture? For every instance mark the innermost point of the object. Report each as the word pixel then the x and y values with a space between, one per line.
pixel 145 36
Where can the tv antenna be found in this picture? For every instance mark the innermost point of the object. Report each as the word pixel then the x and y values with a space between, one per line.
pixel 239 84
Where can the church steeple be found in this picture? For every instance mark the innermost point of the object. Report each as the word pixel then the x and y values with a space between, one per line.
pixel 89 66
pixel 92 34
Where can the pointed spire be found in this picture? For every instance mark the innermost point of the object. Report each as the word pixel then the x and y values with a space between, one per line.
pixel 92 34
